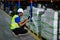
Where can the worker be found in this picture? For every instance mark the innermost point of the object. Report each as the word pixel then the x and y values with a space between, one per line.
pixel 17 26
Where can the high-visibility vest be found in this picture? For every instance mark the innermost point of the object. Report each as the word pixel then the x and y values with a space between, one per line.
pixel 13 23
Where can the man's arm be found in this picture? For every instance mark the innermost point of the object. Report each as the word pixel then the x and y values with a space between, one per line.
pixel 23 23
pixel 20 23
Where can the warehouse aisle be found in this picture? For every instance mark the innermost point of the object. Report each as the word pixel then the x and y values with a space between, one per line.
pixel 5 33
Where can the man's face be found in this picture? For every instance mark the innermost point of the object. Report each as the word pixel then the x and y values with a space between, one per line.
pixel 20 13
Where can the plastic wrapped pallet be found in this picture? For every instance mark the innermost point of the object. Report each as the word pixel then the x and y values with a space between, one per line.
pixel 32 26
pixel 49 24
pixel 36 19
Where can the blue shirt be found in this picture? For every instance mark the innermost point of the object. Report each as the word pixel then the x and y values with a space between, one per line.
pixel 17 19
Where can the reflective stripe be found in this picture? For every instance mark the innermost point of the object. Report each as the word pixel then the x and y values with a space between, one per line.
pixel 13 23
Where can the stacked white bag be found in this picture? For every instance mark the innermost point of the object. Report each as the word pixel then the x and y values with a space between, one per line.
pixel 49 24
pixel 36 20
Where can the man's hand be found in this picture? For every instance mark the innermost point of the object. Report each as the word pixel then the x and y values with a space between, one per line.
pixel 26 19
pixel 24 22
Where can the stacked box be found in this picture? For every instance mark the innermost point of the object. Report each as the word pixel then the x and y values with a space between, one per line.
pixel 49 24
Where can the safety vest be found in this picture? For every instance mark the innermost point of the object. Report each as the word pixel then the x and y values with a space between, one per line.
pixel 13 23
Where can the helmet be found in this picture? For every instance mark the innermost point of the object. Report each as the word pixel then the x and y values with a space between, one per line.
pixel 20 10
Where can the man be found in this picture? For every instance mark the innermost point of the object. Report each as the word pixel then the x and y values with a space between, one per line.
pixel 17 26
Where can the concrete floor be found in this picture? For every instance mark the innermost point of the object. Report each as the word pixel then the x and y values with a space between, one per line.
pixel 5 32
